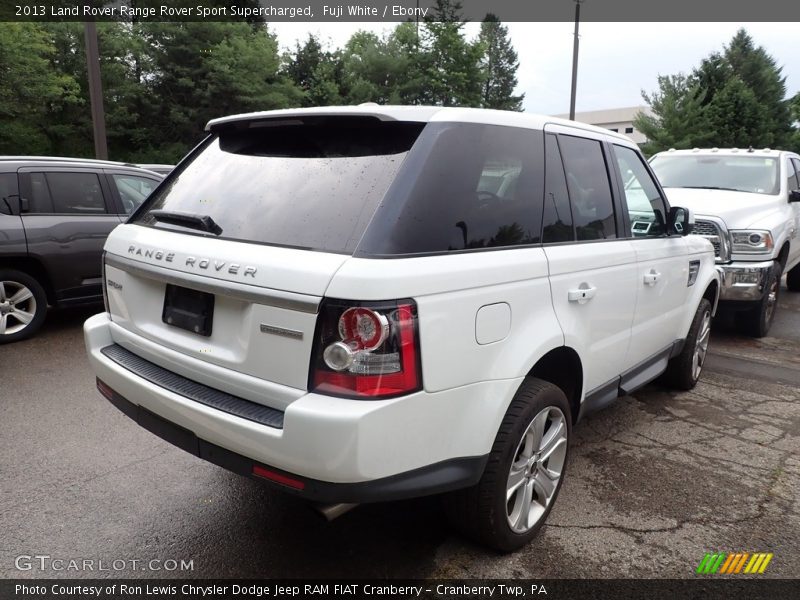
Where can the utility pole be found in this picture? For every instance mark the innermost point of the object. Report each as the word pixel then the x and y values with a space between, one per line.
pixel 575 61
pixel 95 90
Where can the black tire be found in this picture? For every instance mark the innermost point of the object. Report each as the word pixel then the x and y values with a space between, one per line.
pixel 481 512
pixel 683 371
pixel 793 279
pixel 757 321
pixel 20 294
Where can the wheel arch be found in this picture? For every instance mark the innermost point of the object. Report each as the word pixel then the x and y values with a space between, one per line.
pixel 783 255
pixel 712 295
pixel 563 368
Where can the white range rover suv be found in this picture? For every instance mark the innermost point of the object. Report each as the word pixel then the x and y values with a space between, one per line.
pixel 747 203
pixel 372 303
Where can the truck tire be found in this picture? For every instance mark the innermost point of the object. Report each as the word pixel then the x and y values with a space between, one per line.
pixel 684 370
pixel 524 472
pixel 793 279
pixel 23 306
pixel 757 321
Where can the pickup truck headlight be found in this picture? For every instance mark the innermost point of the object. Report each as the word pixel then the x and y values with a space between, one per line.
pixel 752 241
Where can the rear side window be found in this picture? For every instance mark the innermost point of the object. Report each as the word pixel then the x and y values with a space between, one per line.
pixel 133 190
pixel 310 182
pixel 466 186
pixel 66 193
pixel 589 188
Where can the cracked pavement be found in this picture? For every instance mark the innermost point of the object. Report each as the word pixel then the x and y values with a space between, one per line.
pixel 654 481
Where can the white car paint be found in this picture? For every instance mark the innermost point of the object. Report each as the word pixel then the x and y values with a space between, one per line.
pixel 485 319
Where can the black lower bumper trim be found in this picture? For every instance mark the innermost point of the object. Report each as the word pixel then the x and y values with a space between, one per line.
pixel 441 477
pixel 192 390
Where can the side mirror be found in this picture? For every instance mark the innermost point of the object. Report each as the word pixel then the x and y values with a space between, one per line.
pixel 680 221
pixel 794 196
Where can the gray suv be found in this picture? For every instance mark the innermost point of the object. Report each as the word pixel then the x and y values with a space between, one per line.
pixel 55 215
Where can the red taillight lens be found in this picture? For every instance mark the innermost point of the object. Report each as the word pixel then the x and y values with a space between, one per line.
pixel 365 326
pixel 370 350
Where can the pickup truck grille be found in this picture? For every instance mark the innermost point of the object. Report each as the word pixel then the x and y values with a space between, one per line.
pixel 710 231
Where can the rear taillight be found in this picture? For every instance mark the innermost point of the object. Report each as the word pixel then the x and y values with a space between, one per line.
pixel 366 349
pixel 105 284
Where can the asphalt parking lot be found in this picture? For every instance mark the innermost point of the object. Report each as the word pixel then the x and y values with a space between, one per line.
pixel 654 482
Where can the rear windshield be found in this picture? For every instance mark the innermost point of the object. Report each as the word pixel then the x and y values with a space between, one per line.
pixel 310 183
pixel 362 186
pixel 754 174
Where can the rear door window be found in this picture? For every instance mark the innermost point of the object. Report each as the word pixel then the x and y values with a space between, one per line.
pixel 9 192
pixel 557 218
pixel 589 188
pixel 66 193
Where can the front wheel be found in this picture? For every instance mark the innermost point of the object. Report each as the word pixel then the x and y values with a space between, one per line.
pixel 684 370
pixel 757 321
pixel 524 472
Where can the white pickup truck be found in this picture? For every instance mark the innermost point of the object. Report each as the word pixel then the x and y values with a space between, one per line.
pixel 747 203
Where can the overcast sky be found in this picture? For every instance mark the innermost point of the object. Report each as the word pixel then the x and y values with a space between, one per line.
pixel 616 60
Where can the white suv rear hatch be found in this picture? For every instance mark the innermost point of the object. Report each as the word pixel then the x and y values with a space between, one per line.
pixel 249 231
pixel 259 327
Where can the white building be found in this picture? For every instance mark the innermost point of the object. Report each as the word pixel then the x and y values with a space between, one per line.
pixel 615 119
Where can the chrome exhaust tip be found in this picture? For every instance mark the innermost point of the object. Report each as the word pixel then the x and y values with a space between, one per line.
pixel 333 511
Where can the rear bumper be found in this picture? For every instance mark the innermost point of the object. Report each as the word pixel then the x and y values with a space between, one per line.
pixel 434 479
pixel 340 450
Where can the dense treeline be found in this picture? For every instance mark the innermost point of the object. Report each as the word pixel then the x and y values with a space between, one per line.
pixel 163 81
pixel 734 98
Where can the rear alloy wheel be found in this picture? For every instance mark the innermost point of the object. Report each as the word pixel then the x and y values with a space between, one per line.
pixel 524 472
pixel 757 321
pixel 684 370
pixel 536 469
pixel 23 305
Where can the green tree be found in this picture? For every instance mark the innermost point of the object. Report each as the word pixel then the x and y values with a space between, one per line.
pixel 749 128
pixel 128 101
pixel 760 73
pixel 408 64
pixel 733 98
pixel 202 70
pixel 243 73
pixel 30 88
pixel 449 63
pixel 794 142
pixel 317 72
pixel 499 66
pixel 678 120
pixel 370 72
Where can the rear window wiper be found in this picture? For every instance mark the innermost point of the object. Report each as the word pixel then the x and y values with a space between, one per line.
pixel 190 220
